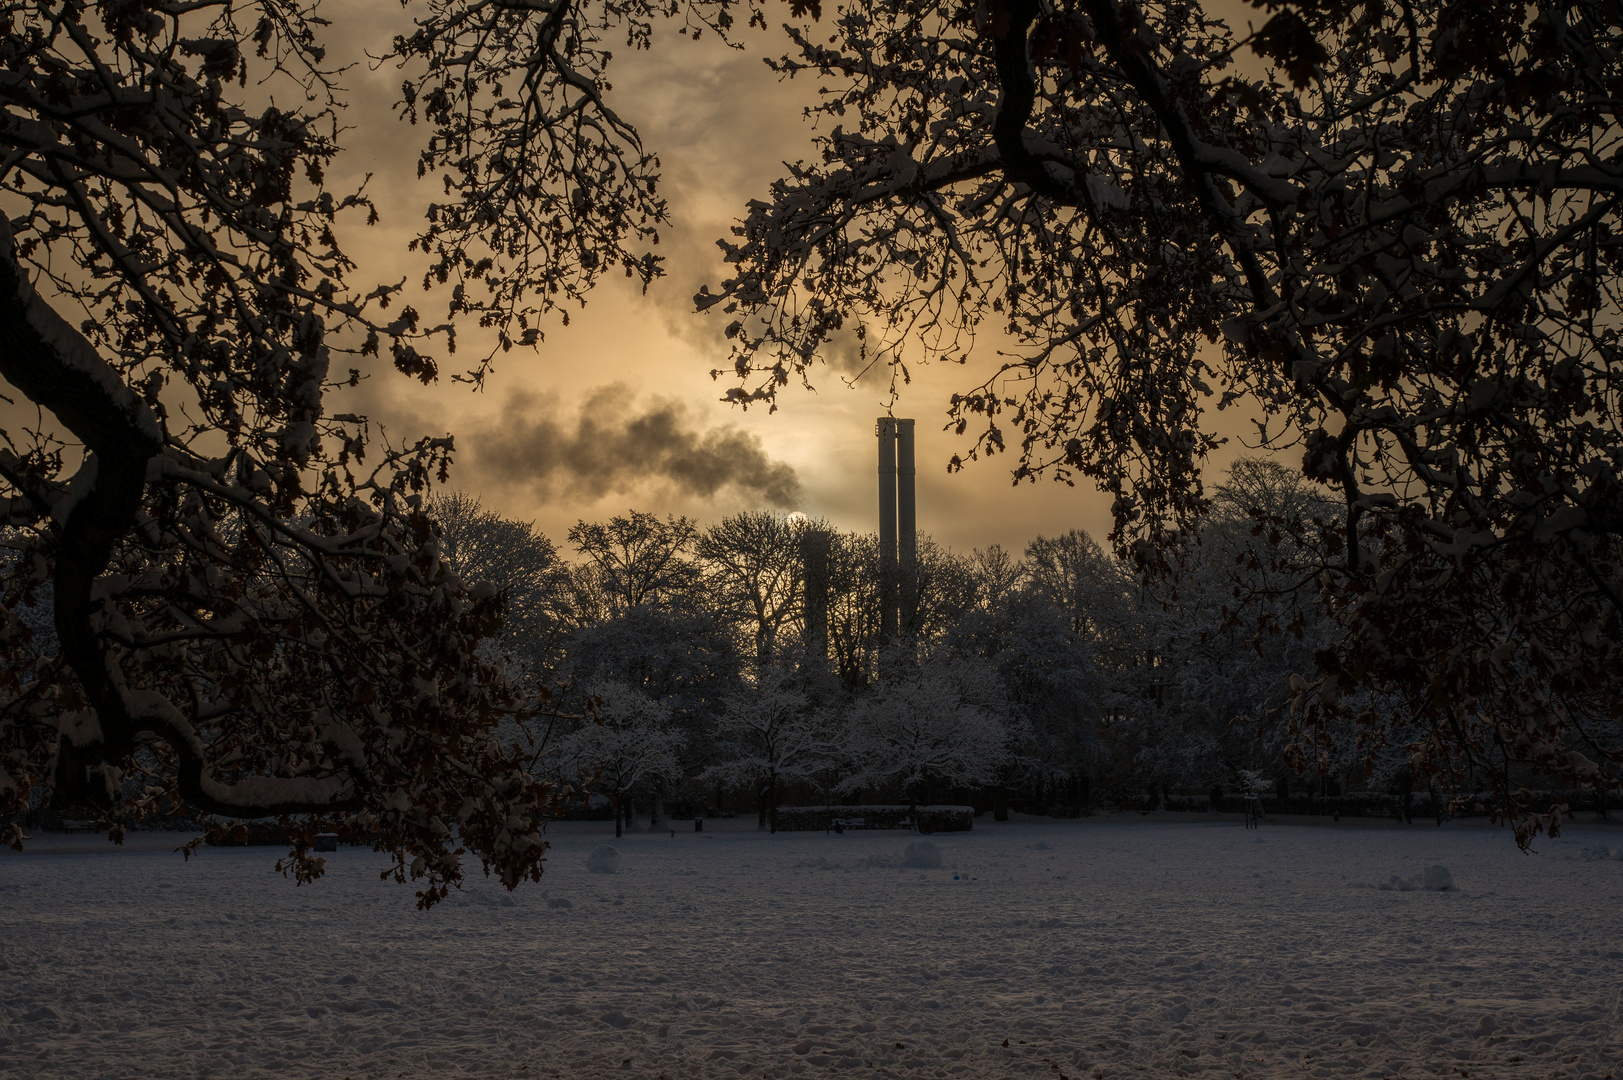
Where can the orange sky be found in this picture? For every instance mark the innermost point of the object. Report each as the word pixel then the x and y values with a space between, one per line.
pixel 722 125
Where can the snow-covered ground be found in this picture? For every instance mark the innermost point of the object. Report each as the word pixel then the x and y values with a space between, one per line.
pixel 1078 949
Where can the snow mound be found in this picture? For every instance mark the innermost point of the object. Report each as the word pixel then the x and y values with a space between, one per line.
pixel 923 855
pixel 1432 878
pixel 1041 845
pixel 1599 852
pixel 603 860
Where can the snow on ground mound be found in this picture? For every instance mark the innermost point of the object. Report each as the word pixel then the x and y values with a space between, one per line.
pixel 922 855
pixel 1120 950
pixel 603 860
pixel 1432 878
pixel 1601 851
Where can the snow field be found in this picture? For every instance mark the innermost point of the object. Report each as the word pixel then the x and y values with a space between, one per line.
pixel 1093 949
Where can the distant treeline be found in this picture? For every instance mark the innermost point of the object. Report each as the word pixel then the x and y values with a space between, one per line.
pixel 742 666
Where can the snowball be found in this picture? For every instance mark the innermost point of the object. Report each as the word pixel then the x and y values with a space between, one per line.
pixel 603 860
pixel 922 854
pixel 1437 878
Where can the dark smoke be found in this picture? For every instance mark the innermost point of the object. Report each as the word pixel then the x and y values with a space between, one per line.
pixel 613 447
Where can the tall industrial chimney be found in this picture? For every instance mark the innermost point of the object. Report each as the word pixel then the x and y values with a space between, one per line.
pixel 814 551
pixel 908 529
pixel 885 429
pixel 898 570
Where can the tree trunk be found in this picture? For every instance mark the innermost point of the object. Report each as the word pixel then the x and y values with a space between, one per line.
pixel 58 369
pixel 617 805
pixel 658 811
pixel 772 803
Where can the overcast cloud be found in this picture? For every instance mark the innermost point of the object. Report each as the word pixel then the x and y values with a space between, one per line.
pixel 615 444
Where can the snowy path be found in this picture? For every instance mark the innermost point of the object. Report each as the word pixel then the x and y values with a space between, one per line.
pixel 1123 949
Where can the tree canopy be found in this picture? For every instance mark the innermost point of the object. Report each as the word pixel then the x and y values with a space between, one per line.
pixel 251 609
pixel 1389 232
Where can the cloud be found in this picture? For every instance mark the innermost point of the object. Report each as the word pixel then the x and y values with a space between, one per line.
pixel 609 447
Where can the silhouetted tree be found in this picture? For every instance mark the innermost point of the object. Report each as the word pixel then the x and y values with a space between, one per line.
pixel 639 559
pixel 523 565
pixel 252 612
pixel 753 566
pixel 1398 248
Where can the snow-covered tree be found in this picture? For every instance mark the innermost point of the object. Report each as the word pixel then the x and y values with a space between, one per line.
pixel 627 738
pixel 1051 677
pixel 996 573
pixel 1079 577
pixel 687 661
pixel 1223 639
pixel 943 590
pixel 853 605
pixel 942 722
pixel 770 731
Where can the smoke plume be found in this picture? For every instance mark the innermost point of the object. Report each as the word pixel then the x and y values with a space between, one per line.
pixel 612 447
